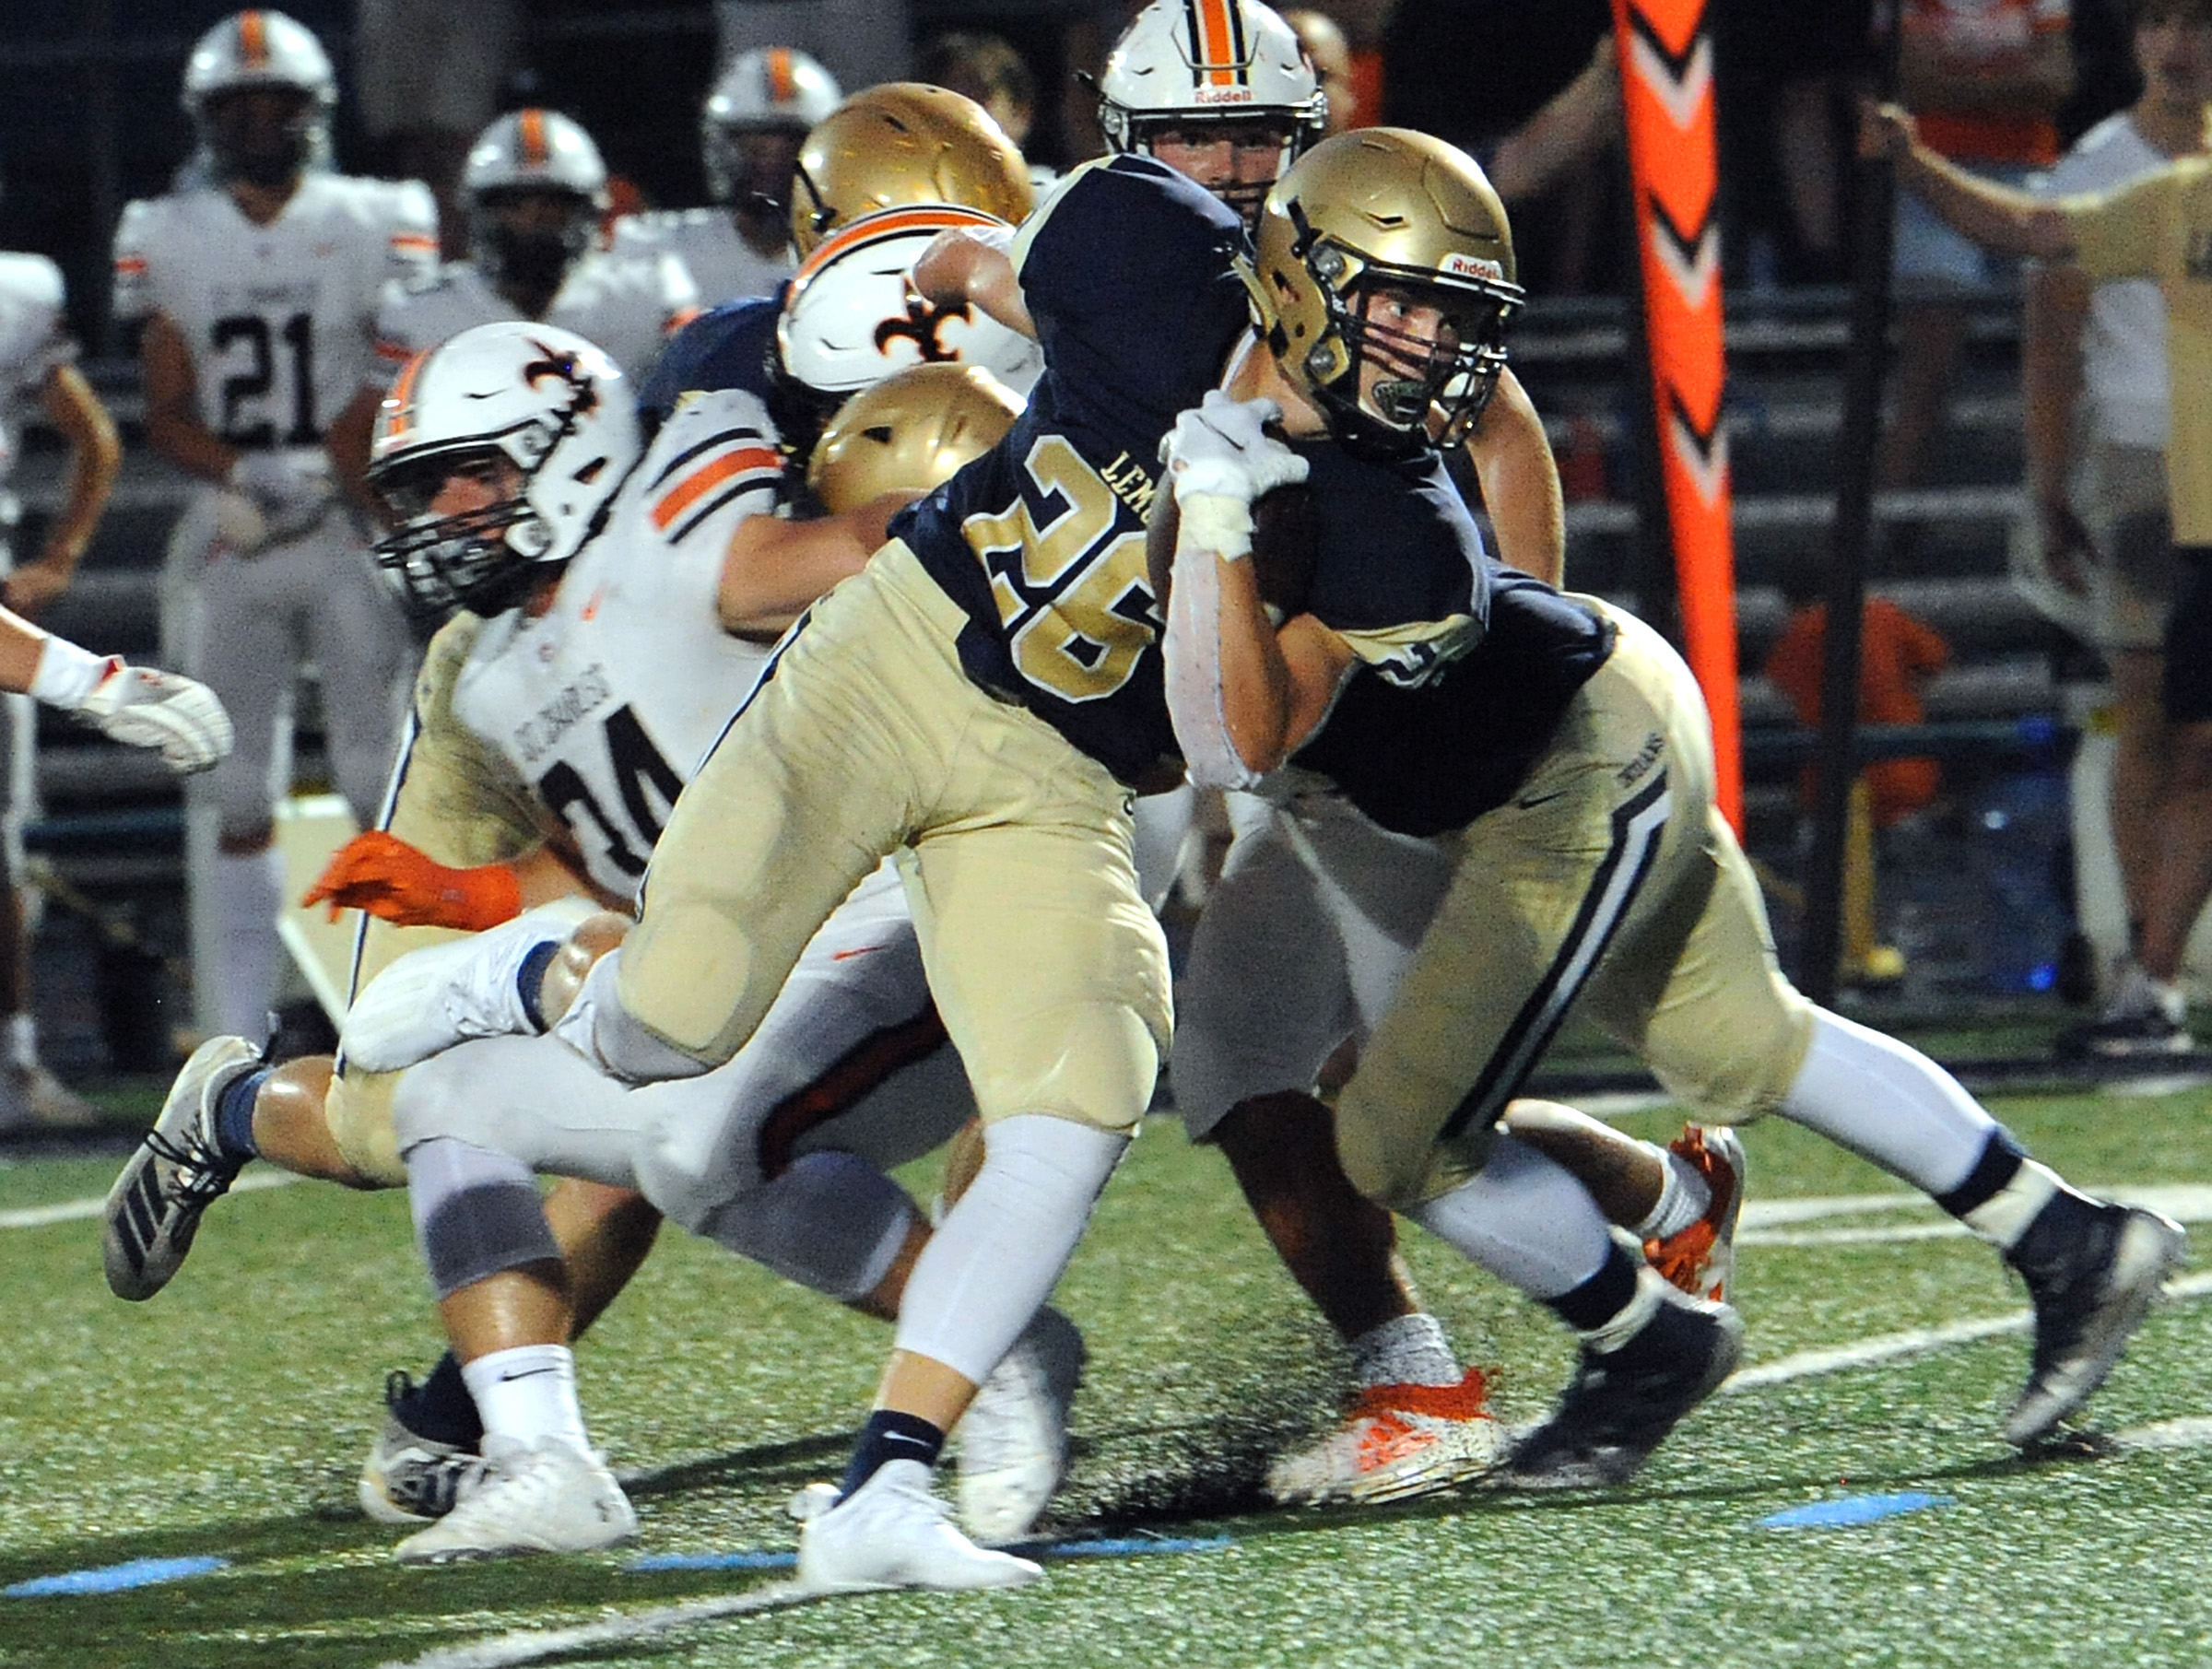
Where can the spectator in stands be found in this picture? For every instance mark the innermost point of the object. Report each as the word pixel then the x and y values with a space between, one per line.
pixel 986 69
pixel 2157 226
pixel 1897 653
pixel 2108 342
pixel 38 365
pixel 1984 78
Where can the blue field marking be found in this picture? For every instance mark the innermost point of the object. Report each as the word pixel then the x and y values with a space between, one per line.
pixel 1852 1509
pixel 747 1559
pixel 115 1579
pixel 1108 1548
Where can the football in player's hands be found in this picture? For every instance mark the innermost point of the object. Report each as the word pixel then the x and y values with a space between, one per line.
pixel 1286 545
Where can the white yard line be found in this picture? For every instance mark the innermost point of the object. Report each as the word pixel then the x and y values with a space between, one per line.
pixel 1890 1346
pixel 76 1211
pixel 535 1645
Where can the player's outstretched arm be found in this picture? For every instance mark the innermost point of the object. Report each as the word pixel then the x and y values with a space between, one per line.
pixel 1996 216
pixel 177 716
pixel 1521 483
pixel 965 265
pixel 774 568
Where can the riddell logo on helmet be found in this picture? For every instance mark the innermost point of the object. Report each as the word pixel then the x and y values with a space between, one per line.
pixel 1222 95
pixel 1472 266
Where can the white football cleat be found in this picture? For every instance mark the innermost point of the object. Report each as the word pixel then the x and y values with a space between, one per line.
pixel 1701 1259
pixel 547 1498
pixel 1397 1441
pixel 1013 1439
pixel 892 1533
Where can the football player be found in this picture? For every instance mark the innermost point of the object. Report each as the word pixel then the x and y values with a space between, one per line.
pixel 547 716
pixel 750 130
pixel 1012 703
pixel 37 363
pixel 1563 750
pixel 535 187
pixel 257 293
pixel 1219 91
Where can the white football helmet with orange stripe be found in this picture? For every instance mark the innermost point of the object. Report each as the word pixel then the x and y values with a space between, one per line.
pixel 537 411
pixel 531 154
pixel 253 51
pixel 771 89
pixel 851 318
pixel 1185 64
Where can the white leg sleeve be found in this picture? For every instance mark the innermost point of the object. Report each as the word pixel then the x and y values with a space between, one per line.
pixel 1889 1103
pixel 997 1254
pixel 532 1099
pixel 1525 1219
pixel 833 1222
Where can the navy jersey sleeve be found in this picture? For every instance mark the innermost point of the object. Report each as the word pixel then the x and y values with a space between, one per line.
pixel 1128 274
pixel 727 346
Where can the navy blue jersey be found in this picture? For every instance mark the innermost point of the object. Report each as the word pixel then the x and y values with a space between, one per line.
pixel 1429 758
pixel 1129 272
pixel 732 345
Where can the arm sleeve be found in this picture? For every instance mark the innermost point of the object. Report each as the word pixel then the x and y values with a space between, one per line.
pixel 1191 656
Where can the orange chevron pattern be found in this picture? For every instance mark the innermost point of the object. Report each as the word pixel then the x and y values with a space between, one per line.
pixel 1666 95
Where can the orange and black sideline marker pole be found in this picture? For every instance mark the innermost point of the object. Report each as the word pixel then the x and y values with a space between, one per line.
pixel 1667 96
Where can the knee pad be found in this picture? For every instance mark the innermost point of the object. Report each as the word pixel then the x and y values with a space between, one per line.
pixel 476 1213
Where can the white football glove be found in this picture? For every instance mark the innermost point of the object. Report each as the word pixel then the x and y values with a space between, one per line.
pixel 1220 449
pixel 291 499
pixel 162 710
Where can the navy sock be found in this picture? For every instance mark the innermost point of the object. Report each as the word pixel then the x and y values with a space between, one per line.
pixel 440 1408
pixel 890 1435
pixel 1601 1298
pixel 529 979
pixel 234 1114
pixel 2000 1162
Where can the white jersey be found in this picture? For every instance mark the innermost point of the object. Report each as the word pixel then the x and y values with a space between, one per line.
pixel 724 265
pixel 2123 340
pixel 34 339
pixel 626 306
pixel 606 705
pixel 280 318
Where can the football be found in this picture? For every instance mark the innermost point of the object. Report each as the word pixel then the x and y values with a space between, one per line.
pixel 1286 545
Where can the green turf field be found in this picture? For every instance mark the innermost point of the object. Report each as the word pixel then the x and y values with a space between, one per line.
pixel 226 1420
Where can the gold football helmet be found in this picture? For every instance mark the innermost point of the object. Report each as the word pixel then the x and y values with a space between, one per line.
pixel 1382 277
pixel 901 143
pixel 909 433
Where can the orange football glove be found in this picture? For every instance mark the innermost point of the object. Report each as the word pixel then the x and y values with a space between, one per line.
pixel 385 875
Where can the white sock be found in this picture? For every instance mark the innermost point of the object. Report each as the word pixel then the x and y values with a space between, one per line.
pixel 249 893
pixel 22 1042
pixel 1889 1103
pixel 528 1393
pixel 1684 1197
pixel 1405 1350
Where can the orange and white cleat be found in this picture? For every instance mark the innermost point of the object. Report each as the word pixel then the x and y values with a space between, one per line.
pixel 1396 1442
pixel 1701 1259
